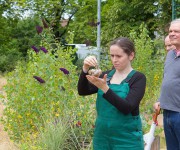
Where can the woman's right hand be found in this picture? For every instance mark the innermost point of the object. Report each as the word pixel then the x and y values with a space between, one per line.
pixel 89 61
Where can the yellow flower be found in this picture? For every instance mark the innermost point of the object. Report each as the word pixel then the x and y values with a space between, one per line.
pixel 35 135
pixel 31 122
pixel 19 116
pixel 156 77
pixel 56 114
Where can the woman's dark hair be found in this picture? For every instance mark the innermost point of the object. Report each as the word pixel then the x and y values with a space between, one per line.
pixel 124 43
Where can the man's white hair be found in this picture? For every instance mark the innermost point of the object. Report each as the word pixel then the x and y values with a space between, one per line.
pixel 175 21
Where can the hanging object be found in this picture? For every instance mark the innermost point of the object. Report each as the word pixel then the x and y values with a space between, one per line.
pixel 149 137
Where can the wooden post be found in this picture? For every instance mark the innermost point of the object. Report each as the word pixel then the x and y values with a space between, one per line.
pixel 156 143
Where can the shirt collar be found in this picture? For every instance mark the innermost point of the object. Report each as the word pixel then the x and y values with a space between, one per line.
pixel 177 52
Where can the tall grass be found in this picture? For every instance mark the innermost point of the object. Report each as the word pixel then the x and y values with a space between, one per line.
pixel 60 134
pixel 55 135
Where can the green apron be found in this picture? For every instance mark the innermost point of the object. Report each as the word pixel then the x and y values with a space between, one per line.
pixel 113 129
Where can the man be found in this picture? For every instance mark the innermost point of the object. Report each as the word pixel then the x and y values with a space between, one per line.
pixel 169 99
pixel 168 45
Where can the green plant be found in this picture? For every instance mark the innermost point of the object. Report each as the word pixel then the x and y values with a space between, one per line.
pixel 149 59
pixel 46 85
pixel 55 135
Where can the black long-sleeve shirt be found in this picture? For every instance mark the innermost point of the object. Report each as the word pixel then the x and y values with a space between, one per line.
pixel 128 105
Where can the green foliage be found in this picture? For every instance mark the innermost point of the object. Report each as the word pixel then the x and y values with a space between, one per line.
pixel 118 18
pixel 16 41
pixel 8 46
pixel 25 34
pixel 54 13
pixel 149 59
pixel 55 135
pixel 84 27
pixel 9 56
pixel 30 101
pixel 123 16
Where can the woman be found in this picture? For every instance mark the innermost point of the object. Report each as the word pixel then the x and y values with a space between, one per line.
pixel 119 92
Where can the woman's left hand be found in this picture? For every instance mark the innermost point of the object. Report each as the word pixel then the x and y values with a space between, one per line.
pixel 99 82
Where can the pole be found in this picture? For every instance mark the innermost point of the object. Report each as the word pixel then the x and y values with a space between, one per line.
pixel 99 28
pixel 173 9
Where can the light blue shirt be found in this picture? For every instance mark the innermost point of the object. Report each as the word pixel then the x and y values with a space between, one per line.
pixel 170 89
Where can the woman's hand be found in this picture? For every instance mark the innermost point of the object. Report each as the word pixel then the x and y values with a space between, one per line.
pixel 89 61
pixel 99 82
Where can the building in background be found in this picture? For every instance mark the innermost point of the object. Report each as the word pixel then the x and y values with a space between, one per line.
pixel 83 50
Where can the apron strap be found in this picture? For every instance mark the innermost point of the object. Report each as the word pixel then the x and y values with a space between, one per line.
pixel 128 78
pixel 109 76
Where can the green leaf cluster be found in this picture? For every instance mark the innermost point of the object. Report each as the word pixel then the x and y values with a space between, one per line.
pixel 149 59
pixel 30 103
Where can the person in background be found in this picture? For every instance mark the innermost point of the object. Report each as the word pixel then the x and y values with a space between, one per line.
pixel 168 45
pixel 169 99
pixel 119 93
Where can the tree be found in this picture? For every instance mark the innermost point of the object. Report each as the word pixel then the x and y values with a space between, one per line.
pixel 52 12
pixel 124 16
pixel 25 34
pixel 79 17
pixel 8 46
pixel 118 18
pixel 84 28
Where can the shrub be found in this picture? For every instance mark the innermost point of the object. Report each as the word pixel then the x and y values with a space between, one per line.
pixel 46 85
pixel 149 59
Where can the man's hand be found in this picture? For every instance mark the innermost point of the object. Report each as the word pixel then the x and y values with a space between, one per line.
pixel 156 106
